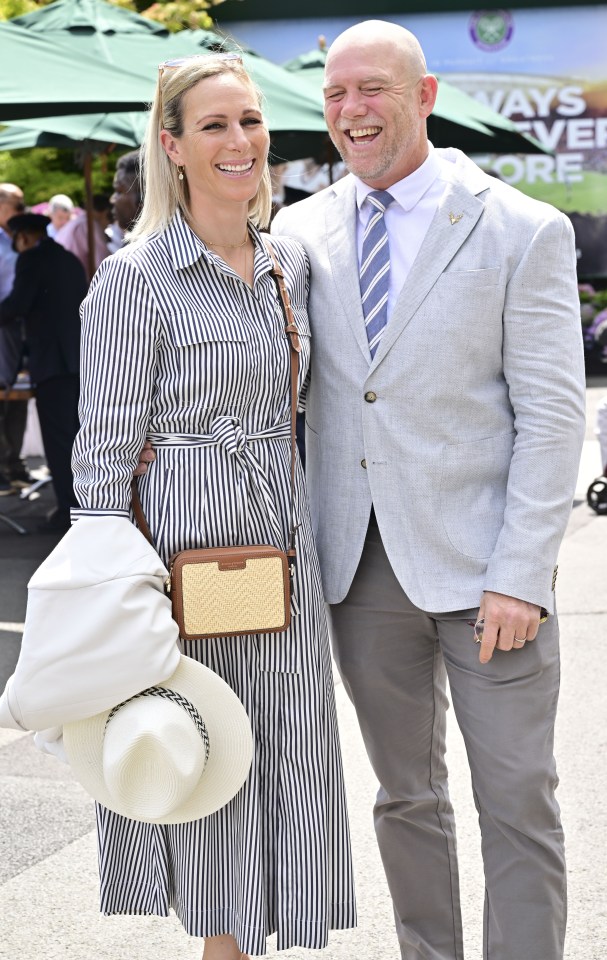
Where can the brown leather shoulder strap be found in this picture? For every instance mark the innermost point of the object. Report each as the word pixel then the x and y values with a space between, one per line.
pixel 290 325
pixel 138 511
pixel 295 349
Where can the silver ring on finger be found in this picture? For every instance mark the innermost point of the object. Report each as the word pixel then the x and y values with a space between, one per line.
pixel 520 639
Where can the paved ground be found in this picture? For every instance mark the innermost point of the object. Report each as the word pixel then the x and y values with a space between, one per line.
pixel 48 883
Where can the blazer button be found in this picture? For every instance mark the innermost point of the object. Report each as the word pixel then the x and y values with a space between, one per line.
pixel 370 397
pixel 363 464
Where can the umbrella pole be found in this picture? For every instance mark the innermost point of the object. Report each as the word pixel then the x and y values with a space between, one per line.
pixel 90 223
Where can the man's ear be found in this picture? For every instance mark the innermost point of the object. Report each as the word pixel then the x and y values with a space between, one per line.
pixel 428 93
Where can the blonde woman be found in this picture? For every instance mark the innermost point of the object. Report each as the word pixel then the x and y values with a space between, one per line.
pixel 183 344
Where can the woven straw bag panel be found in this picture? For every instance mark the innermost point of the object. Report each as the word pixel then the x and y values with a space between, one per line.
pixel 233 601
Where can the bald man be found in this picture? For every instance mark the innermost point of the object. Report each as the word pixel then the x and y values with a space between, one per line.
pixel 445 419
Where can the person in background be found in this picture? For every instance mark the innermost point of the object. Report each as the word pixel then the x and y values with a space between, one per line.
pixel 183 339
pixel 127 195
pixel 13 414
pixel 60 211
pixel 74 235
pixel 445 420
pixel 49 287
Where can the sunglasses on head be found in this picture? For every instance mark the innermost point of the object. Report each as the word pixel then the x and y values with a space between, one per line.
pixel 181 61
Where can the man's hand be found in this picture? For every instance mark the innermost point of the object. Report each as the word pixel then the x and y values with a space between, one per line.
pixel 508 623
pixel 146 456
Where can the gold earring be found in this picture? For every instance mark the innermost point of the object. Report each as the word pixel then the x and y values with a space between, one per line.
pixel 180 172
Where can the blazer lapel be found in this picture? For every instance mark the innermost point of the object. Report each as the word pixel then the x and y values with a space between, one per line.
pixel 457 213
pixel 341 226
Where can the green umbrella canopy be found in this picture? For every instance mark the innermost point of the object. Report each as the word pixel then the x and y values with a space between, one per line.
pixel 312 60
pixel 92 132
pixel 457 120
pixel 117 36
pixel 41 77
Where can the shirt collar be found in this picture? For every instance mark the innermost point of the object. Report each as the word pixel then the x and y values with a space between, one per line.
pixel 408 191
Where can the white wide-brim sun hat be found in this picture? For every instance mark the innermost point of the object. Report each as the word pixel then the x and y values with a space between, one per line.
pixel 173 753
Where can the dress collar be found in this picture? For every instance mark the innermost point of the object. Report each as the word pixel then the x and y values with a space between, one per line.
pixel 185 248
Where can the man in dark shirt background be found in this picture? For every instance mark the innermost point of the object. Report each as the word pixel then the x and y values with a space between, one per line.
pixel 13 471
pixel 50 284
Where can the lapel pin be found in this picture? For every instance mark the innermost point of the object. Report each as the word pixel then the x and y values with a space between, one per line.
pixel 455 217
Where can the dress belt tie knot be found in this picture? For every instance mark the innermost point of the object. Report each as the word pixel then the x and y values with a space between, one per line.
pixel 227 432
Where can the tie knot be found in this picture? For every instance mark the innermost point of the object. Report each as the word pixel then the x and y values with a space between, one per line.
pixel 380 199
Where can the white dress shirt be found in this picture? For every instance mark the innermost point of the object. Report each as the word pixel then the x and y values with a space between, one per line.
pixel 407 219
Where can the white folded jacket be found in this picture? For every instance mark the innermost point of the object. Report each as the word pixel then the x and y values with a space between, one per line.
pixel 98 627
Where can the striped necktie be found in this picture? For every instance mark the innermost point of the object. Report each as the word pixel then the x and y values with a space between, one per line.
pixel 375 269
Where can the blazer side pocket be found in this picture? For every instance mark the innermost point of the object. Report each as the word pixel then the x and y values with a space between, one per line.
pixel 473 492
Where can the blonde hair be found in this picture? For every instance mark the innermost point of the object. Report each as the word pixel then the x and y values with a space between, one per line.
pixel 164 192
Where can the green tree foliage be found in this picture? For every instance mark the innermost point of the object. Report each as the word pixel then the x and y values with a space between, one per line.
pixel 44 171
pixel 16 8
pixel 175 15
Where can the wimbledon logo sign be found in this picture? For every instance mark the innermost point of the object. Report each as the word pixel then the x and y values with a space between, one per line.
pixel 491 30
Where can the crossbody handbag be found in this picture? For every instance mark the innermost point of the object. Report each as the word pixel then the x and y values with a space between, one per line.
pixel 231 591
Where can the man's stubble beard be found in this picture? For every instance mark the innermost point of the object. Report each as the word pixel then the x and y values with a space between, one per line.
pixel 363 171
pixel 396 147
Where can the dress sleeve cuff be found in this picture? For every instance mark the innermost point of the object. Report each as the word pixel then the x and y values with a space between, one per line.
pixel 77 512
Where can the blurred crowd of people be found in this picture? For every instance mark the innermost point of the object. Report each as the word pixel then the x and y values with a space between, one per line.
pixel 45 270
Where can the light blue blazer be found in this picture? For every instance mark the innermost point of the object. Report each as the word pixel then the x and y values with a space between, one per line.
pixel 465 430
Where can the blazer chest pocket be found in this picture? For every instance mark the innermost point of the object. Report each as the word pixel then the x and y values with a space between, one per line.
pixel 468 292
pixel 460 281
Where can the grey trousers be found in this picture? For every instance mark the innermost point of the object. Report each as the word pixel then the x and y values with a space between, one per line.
pixel 393 659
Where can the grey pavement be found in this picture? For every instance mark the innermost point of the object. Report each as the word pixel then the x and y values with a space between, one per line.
pixel 48 877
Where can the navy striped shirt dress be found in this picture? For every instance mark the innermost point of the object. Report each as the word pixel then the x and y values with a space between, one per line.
pixel 177 348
